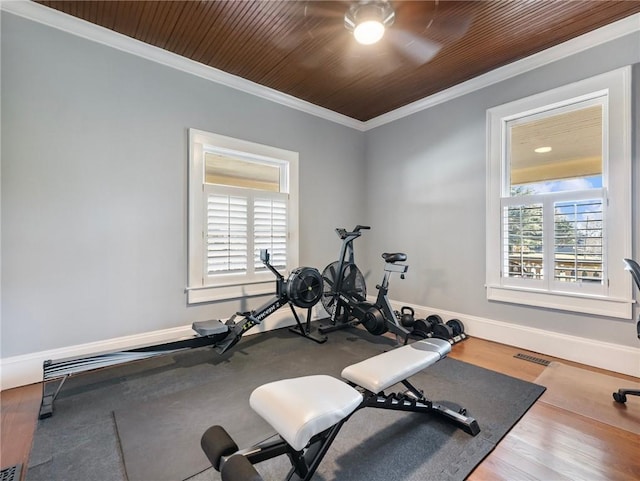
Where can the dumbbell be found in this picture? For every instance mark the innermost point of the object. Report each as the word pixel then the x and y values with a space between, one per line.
pixel 423 328
pixel 457 327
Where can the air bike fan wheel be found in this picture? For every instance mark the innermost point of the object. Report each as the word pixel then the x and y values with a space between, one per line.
pixel 353 285
pixel 304 287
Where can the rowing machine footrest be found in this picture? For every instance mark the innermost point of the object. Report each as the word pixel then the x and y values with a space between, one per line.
pixel 239 468
pixel 217 443
pixel 209 328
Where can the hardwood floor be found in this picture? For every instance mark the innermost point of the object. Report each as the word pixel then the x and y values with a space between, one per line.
pixel 547 444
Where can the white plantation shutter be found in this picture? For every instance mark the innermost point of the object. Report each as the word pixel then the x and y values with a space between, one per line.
pixel 239 223
pixel 270 229
pixel 226 234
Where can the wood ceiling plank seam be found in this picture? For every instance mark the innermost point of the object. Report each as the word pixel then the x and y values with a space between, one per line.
pixel 232 38
pixel 218 29
pixel 589 20
pixel 209 17
pixel 100 13
pixel 268 71
pixel 213 13
pixel 258 55
pixel 301 83
pixel 156 20
pixel 111 15
pixel 197 30
pixel 170 25
pixel 163 23
pixel 185 27
pixel 265 67
pixel 177 31
pixel 93 12
pixel 122 16
pixel 145 22
pixel 273 76
pixel 133 15
pixel 72 7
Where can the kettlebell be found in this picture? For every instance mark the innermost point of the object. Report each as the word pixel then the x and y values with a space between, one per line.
pixel 406 316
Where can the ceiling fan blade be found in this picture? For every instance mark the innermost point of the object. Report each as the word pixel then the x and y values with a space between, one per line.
pixel 419 50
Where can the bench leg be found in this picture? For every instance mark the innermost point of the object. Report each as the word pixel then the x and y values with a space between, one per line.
pixel 415 401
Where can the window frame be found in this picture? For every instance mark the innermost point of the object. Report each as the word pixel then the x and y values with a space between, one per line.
pixel 615 298
pixel 201 287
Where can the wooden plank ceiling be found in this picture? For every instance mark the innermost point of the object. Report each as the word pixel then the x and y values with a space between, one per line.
pixel 301 48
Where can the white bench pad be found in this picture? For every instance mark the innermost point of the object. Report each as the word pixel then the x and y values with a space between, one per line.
pixel 384 370
pixel 302 407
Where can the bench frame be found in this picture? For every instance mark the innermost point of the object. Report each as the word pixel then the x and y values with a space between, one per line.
pixel 306 461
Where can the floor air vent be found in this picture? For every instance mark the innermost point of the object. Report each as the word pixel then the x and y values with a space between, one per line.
pixel 11 474
pixel 537 360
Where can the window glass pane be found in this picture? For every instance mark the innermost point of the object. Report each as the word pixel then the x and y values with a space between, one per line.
pixel 224 169
pixel 226 234
pixel 557 153
pixel 578 241
pixel 523 241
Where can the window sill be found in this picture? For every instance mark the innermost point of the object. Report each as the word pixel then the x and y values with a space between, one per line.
pixel 197 295
pixel 598 305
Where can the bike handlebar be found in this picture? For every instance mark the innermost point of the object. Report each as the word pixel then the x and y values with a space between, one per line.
pixel 343 233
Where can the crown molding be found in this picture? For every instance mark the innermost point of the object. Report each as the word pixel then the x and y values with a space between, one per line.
pixel 75 26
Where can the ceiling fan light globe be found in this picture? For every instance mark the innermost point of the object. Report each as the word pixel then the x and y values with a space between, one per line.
pixel 368 32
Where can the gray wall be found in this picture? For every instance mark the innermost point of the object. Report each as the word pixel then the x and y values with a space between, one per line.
pixel 426 196
pixel 94 186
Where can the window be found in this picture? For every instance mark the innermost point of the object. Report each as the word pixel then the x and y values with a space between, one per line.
pixel 242 198
pixel 559 198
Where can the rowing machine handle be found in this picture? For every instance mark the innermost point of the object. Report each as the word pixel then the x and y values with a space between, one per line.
pixel 359 227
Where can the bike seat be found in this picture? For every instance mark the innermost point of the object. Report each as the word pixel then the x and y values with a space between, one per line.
pixel 394 257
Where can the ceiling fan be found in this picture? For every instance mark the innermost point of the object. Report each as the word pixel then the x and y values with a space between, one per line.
pixel 391 34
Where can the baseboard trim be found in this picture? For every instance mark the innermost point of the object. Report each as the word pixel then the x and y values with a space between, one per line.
pixel 26 369
pixel 604 355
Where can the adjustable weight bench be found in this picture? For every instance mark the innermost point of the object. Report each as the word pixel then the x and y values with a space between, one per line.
pixel 308 412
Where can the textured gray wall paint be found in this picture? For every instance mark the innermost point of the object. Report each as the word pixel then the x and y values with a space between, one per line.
pixel 94 186
pixel 426 196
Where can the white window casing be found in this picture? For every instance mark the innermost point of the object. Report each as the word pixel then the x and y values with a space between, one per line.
pixel 611 297
pixel 227 225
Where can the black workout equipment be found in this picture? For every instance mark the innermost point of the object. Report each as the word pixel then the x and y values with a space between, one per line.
pixel 442 331
pixel 303 288
pixel 305 437
pixel 434 326
pixel 345 291
pixel 634 269
pixel 407 316
pixel 457 327
pixel 422 329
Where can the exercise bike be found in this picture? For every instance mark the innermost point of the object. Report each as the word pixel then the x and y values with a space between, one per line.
pixel 345 292
pixel 303 288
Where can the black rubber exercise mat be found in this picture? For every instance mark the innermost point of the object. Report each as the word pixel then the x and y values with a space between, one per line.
pixel 143 421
